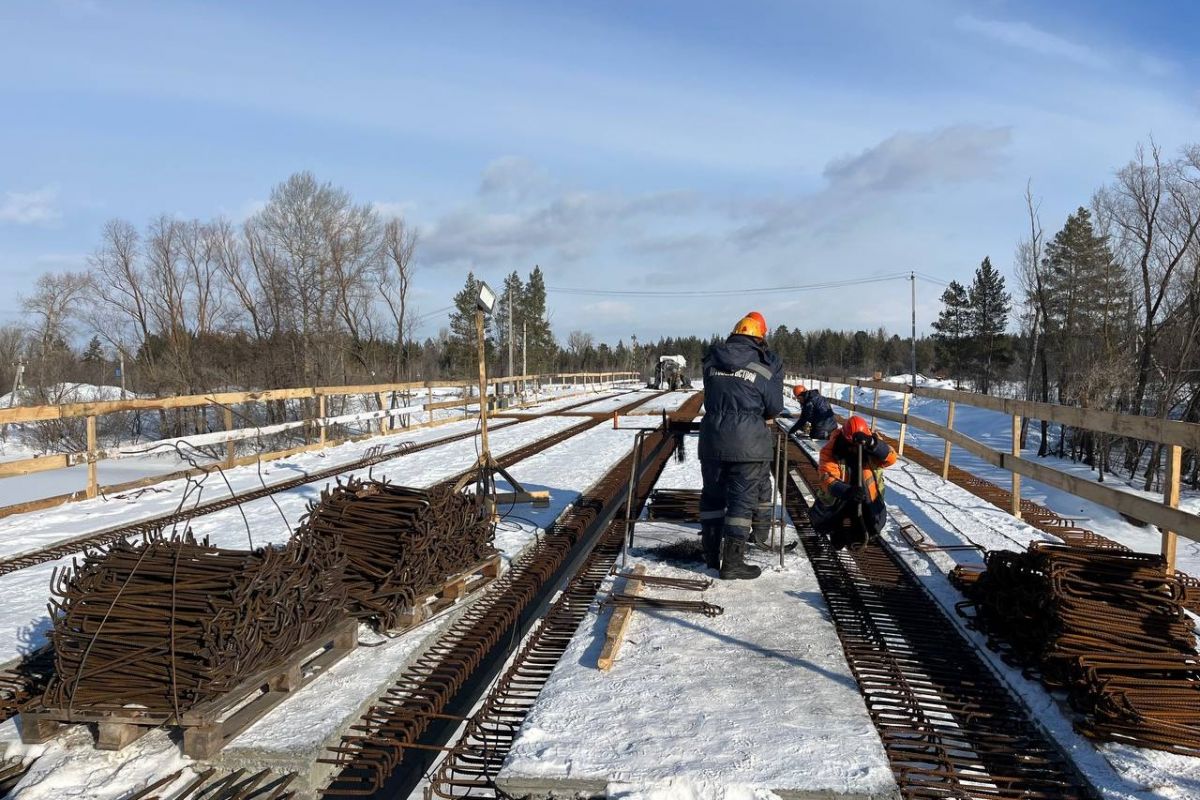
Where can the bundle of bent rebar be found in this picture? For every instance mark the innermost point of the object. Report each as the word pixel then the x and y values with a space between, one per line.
pixel 398 542
pixel 166 624
pixel 1106 626
pixel 682 505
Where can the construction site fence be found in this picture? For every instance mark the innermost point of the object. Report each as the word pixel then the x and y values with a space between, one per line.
pixel 1173 435
pixel 386 408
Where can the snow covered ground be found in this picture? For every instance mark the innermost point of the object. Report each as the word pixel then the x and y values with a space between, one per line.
pixel 757 702
pixel 994 429
pixel 667 402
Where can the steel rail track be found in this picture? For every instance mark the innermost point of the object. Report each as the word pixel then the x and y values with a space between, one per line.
pixel 387 753
pixel 161 522
pixel 948 725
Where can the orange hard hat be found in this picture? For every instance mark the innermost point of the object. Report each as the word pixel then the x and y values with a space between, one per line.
pixel 856 427
pixel 798 389
pixel 753 324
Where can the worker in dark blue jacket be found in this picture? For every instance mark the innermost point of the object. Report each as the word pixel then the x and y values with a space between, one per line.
pixel 743 387
pixel 815 412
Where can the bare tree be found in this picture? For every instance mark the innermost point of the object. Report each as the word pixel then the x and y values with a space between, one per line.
pixel 395 276
pixel 53 306
pixel 1029 276
pixel 579 343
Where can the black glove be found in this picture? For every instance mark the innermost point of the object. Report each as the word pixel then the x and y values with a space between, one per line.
pixel 856 495
pixel 866 440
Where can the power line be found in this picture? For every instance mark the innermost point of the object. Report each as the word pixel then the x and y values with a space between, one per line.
pixel 808 287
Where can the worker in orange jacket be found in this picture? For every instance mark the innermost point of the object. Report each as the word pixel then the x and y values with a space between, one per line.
pixel 850 506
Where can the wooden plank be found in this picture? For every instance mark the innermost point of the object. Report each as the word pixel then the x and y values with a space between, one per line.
pixel 29 466
pixel 949 445
pixel 1171 499
pixel 903 422
pixel 320 416
pixel 230 446
pixel 92 482
pixel 618 623
pixel 1016 479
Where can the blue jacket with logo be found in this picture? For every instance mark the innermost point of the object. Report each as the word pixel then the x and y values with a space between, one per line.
pixel 817 412
pixel 743 385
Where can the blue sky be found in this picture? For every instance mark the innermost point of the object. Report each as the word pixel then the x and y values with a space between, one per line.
pixel 697 145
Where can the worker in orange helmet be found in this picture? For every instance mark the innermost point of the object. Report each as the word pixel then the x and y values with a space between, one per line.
pixel 743 386
pixel 850 506
pixel 815 413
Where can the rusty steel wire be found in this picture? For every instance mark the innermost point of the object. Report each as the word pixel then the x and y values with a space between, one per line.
pixel 949 728
pixel 24 681
pixel 398 542
pixel 684 584
pixel 1107 627
pixel 679 505
pixel 169 623
pixel 618 599
pixel 393 725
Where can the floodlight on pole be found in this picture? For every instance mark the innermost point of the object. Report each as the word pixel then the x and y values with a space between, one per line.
pixel 486 467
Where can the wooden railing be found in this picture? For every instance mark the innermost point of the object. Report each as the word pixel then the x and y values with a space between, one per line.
pixel 1173 434
pixel 394 403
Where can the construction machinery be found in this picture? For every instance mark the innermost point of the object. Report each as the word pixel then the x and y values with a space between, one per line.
pixel 668 374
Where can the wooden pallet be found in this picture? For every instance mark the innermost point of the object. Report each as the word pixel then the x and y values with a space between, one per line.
pixel 208 726
pixel 449 593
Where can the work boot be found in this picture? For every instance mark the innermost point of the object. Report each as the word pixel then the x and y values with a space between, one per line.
pixel 733 561
pixel 760 535
pixel 710 539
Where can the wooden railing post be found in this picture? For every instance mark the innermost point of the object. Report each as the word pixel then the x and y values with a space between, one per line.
pixel 946 455
pixel 230 446
pixel 874 408
pixel 1171 498
pixel 93 485
pixel 321 420
pixel 428 405
pixel 384 420
pixel 904 424
pixel 1016 477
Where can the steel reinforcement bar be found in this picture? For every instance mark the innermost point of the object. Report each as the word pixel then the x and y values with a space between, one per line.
pixel 159 523
pixel 391 746
pixel 949 727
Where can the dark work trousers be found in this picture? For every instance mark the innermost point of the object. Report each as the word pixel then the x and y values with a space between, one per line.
pixel 733 492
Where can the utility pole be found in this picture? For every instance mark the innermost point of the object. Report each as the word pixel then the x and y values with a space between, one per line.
pixel 16 387
pixel 912 277
pixel 524 352
pixel 121 369
pixel 511 386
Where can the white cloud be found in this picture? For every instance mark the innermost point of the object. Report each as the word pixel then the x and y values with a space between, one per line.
pixel 1028 37
pixel 909 160
pixel 30 208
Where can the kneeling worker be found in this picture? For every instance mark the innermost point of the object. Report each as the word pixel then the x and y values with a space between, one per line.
pixel 743 387
pixel 850 506
pixel 815 412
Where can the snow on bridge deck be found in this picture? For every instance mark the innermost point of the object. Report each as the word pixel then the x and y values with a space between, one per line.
pixel 759 698
pixel 667 402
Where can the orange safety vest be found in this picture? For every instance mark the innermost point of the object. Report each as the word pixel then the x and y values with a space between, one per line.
pixel 834 467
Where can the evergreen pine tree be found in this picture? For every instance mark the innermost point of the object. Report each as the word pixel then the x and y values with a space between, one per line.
pixel 1088 295
pixel 540 342
pixel 508 305
pixel 988 318
pixel 953 330
pixel 462 346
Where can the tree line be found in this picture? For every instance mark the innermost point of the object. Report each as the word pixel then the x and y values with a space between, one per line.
pixel 1107 314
